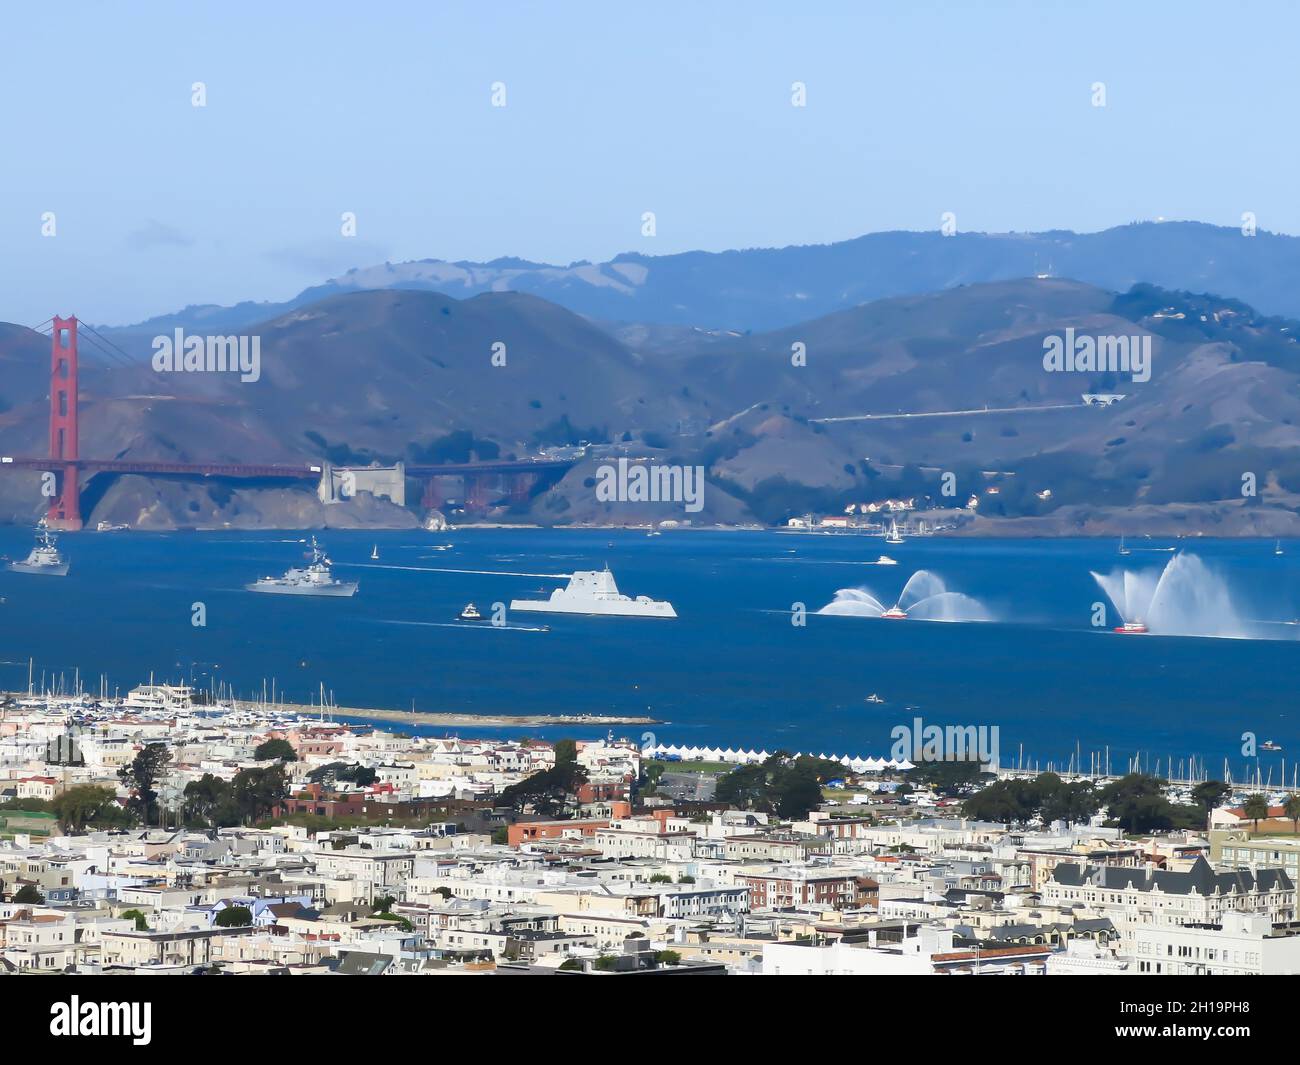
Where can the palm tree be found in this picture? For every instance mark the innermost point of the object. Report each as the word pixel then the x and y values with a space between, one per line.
pixel 1255 807
pixel 1292 809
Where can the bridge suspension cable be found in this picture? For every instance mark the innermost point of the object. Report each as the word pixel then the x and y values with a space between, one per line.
pixel 100 342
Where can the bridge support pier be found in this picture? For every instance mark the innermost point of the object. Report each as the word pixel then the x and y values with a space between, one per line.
pixel 432 498
pixel 521 486
pixel 476 496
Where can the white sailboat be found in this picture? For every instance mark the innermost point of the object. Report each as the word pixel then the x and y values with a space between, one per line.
pixel 894 536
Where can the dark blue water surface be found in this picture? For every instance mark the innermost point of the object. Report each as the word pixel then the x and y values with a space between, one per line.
pixel 732 671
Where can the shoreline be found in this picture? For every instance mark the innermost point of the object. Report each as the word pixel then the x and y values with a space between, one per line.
pixel 407 717
pixel 1004 529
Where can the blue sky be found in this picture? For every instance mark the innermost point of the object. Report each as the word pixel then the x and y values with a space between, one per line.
pixel 384 109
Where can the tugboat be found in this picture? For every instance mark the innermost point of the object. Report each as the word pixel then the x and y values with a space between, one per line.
pixel 1131 628
pixel 470 613
pixel 1269 745
pixel 894 613
pixel 313 579
pixel 45 559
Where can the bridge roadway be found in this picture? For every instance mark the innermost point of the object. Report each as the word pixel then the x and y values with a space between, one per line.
pixel 288 471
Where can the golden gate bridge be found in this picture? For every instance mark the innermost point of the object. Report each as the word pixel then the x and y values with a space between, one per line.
pixel 517 478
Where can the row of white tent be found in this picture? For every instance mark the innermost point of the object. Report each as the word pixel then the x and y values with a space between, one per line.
pixel 715 754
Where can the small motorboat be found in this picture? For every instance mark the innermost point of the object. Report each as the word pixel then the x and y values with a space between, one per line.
pixel 1131 628
pixel 885 560
pixel 470 613
pixel 1269 745
pixel 874 698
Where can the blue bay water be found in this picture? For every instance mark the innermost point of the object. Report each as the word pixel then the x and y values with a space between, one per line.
pixel 732 671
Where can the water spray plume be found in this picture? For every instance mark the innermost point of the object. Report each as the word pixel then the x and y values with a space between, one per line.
pixel 924 597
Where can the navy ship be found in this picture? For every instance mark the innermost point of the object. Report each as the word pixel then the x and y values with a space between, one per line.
pixel 312 579
pixel 593 592
pixel 45 558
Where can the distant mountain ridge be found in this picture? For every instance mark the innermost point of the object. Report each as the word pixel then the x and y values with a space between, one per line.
pixel 769 288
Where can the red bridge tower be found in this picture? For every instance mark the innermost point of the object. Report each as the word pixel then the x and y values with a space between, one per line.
pixel 65 509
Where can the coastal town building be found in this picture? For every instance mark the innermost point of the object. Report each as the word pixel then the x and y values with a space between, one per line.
pixel 381 853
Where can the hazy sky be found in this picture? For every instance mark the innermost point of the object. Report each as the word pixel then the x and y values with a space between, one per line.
pixel 612 109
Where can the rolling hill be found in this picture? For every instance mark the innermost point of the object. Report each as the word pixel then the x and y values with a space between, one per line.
pixel 884 399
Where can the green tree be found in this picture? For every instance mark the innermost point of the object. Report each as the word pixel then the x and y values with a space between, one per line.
pixel 950 778
pixel 141 922
pixel 29 894
pixel 745 788
pixel 782 784
pixel 256 792
pixel 89 804
pixel 566 751
pixel 1256 808
pixel 606 963
pixel 668 957
pixel 651 772
pixel 1072 803
pixel 277 748
pixel 140 777
pixel 1009 802
pixel 1291 807
pixel 548 790
pixel 209 802
pixel 1136 802
pixel 360 775
pixel 1208 794
pixel 234 917
pixel 571 965
pixel 795 793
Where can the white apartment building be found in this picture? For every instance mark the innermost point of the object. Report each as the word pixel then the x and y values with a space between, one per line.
pixel 1135 898
pixel 1242 944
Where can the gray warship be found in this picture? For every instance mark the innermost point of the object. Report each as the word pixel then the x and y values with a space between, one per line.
pixel 312 579
pixel 45 558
